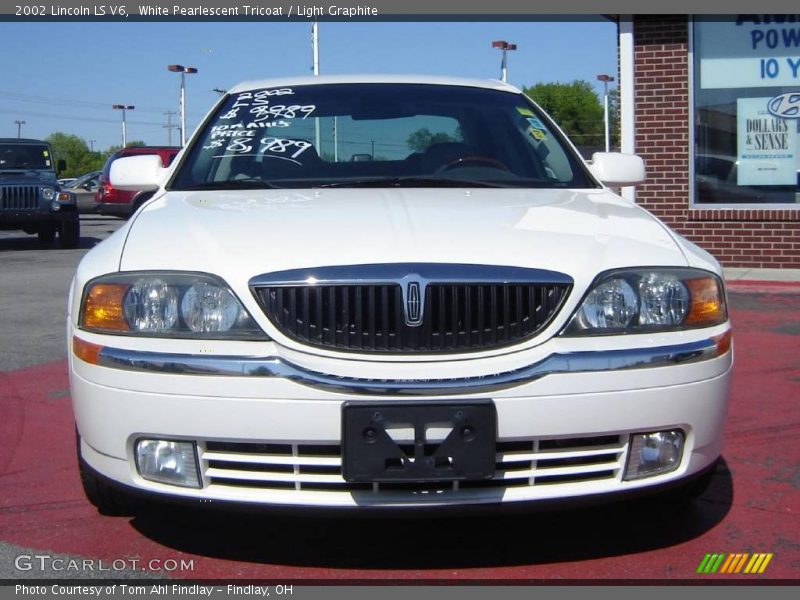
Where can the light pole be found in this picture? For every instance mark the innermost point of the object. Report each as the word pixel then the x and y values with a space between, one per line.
pixel 183 71
pixel 315 71
pixel 606 79
pixel 19 128
pixel 505 47
pixel 123 108
pixel 91 145
pixel 315 48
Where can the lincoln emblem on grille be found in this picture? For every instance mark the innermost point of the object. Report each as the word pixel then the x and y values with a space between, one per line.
pixel 413 305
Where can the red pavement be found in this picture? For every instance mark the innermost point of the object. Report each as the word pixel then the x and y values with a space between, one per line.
pixel 753 505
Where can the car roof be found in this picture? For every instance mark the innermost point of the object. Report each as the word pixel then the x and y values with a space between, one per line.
pixel 492 84
pixel 22 141
pixel 146 149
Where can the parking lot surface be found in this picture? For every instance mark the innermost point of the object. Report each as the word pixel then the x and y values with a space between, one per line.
pixel 752 506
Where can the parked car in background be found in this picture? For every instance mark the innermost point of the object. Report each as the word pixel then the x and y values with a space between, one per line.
pixel 84 188
pixel 466 315
pixel 109 200
pixel 31 198
pixel 66 181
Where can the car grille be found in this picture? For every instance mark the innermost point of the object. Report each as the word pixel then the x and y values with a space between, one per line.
pixel 372 317
pixel 19 197
pixel 318 468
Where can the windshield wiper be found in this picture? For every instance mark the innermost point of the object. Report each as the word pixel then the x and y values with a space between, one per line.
pixel 232 184
pixel 411 181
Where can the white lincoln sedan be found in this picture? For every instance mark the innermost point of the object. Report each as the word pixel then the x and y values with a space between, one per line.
pixel 392 292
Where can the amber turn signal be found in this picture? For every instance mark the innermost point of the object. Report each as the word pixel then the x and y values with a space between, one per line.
pixel 708 303
pixel 86 351
pixel 102 308
pixel 723 342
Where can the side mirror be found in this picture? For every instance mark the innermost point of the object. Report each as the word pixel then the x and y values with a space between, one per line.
pixel 61 165
pixel 617 169
pixel 137 172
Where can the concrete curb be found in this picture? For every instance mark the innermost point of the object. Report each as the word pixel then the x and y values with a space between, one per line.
pixel 763 287
pixel 762 281
pixel 765 275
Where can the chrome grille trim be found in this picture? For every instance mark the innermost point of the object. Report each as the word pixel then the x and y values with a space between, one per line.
pixel 411 307
pixel 19 197
pixel 521 463
pixel 571 362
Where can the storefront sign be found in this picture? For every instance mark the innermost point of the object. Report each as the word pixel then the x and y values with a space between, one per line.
pixel 750 51
pixel 766 145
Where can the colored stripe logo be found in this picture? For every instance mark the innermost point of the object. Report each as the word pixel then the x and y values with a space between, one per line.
pixel 732 564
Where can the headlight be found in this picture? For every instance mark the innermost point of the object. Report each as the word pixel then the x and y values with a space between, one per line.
pixel 48 193
pixel 640 300
pixel 166 305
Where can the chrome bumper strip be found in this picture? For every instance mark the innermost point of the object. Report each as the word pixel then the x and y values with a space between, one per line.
pixel 243 366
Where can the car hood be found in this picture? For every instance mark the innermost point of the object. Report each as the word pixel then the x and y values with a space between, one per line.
pixel 26 177
pixel 239 234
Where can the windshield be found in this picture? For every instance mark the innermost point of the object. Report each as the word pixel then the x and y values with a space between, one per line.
pixel 25 156
pixel 351 135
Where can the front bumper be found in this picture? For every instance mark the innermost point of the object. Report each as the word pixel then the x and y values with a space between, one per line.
pixel 24 219
pixel 265 437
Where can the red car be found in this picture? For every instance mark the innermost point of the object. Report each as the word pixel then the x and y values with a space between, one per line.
pixel 108 200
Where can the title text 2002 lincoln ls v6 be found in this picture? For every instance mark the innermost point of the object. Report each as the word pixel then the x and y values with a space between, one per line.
pixel 392 292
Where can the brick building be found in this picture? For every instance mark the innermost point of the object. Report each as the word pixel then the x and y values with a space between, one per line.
pixel 712 106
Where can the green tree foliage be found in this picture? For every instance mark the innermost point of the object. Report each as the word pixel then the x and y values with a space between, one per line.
pixel 76 153
pixel 575 107
pixel 131 144
pixel 421 139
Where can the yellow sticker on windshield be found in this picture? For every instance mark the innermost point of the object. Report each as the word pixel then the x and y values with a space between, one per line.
pixel 45 153
pixel 537 133
pixel 525 112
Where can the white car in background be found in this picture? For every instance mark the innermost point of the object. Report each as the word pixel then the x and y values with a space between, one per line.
pixel 392 292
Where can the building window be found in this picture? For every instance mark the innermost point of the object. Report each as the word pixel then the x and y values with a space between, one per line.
pixel 747 111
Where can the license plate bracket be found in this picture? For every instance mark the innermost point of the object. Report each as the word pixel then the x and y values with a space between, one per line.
pixel 376 445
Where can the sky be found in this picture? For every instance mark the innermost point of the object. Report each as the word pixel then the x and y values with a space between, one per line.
pixel 68 80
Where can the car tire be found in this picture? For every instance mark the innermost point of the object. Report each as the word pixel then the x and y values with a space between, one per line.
pixel 47 235
pixel 108 500
pixel 684 495
pixel 696 488
pixel 69 235
pixel 138 200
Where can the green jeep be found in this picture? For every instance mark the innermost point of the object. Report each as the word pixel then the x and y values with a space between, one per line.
pixel 30 197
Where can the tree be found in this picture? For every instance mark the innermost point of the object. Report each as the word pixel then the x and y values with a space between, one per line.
pixel 575 107
pixel 131 144
pixel 76 153
pixel 421 139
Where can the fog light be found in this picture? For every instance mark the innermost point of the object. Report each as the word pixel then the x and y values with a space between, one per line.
pixel 169 462
pixel 653 454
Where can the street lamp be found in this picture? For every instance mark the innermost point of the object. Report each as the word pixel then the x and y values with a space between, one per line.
pixel 183 71
pixel 123 108
pixel 606 79
pixel 505 47
pixel 19 128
